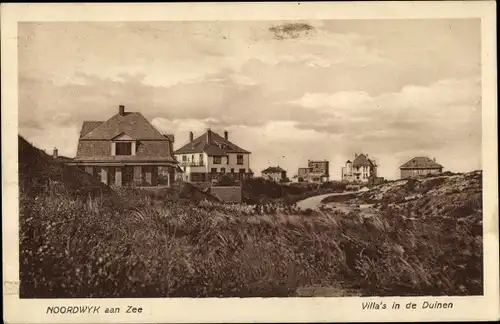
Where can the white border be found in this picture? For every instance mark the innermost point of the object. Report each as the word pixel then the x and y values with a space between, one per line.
pixel 248 309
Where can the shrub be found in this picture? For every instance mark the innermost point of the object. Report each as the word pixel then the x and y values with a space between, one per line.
pixel 82 246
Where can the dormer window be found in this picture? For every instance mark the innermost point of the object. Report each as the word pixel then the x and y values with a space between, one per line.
pixel 124 148
pixel 123 145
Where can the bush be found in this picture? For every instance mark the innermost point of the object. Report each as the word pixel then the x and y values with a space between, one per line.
pixel 84 247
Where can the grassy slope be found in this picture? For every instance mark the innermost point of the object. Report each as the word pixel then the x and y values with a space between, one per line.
pixel 39 174
pixel 261 191
pixel 80 247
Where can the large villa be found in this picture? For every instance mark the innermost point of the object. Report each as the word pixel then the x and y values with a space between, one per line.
pixel 125 150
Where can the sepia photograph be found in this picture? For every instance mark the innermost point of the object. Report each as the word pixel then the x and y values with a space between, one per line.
pixel 212 158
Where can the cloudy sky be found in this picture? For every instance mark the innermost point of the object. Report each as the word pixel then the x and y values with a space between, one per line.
pixel 286 91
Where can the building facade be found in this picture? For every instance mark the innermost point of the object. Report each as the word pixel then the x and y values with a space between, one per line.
pixel 274 174
pixel 316 172
pixel 420 166
pixel 211 156
pixel 362 169
pixel 125 150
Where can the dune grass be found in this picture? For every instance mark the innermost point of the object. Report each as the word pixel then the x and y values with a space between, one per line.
pixel 83 248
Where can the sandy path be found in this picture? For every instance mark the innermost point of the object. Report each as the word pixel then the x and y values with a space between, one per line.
pixel 314 202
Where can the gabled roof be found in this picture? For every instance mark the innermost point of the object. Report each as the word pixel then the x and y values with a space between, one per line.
pixel 421 162
pixel 362 160
pixel 131 123
pixel 88 126
pixel 217 145
pixel 273 170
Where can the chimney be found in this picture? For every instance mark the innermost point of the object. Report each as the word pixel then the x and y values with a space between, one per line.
pixel 434 159
pixel 209 136
pixel 191 136
pixel 226 135
pixel 54 153
pixel 121 110
pixel 355 155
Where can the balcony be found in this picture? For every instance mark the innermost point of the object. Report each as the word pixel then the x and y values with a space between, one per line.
pixel 192 164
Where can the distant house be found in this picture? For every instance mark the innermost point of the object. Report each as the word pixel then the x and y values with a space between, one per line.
pixel 274 174
pixel 362 169
pixel 210 156
pixel 60 158
pixel 420 166
pixel 125 150
pixel 316 172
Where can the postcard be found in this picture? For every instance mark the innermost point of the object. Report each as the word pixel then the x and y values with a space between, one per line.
pixel 249 162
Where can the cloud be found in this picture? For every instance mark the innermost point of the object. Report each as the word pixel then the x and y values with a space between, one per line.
pixel 272 143
pixel 322 92
pixel 453 99
pixel 340 100
pixel 442 117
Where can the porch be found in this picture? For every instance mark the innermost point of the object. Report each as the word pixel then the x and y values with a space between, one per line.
pixel 133 175
pixel 196 177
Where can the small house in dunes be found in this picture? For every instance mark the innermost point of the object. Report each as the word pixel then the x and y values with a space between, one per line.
pixel 274 174
pixel 125 150
pixel 420 166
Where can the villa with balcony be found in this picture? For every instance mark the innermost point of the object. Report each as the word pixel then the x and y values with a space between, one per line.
pixel 361 170
pixel 210 156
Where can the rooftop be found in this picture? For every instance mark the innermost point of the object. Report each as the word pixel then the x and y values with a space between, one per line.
pixel 273 169
pixel 421 162
pixel 133 124
pixel 211 143
pixel 363 160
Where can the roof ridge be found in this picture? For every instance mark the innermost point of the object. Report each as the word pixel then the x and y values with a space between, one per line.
pixel 421 162
pixel 216 139
pixel 133 123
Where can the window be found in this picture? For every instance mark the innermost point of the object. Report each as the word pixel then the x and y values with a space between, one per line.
pixel 201 158
pixel 232 170
pixel 217 160
pixel 184 158
pixel 123 148
pixel 192 158
pixel 239 159
pixel 223 170
pixel 213 170
pixel 242 170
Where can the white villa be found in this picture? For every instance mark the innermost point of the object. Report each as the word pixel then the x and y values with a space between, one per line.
pixel 210 155
pixel 361 169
